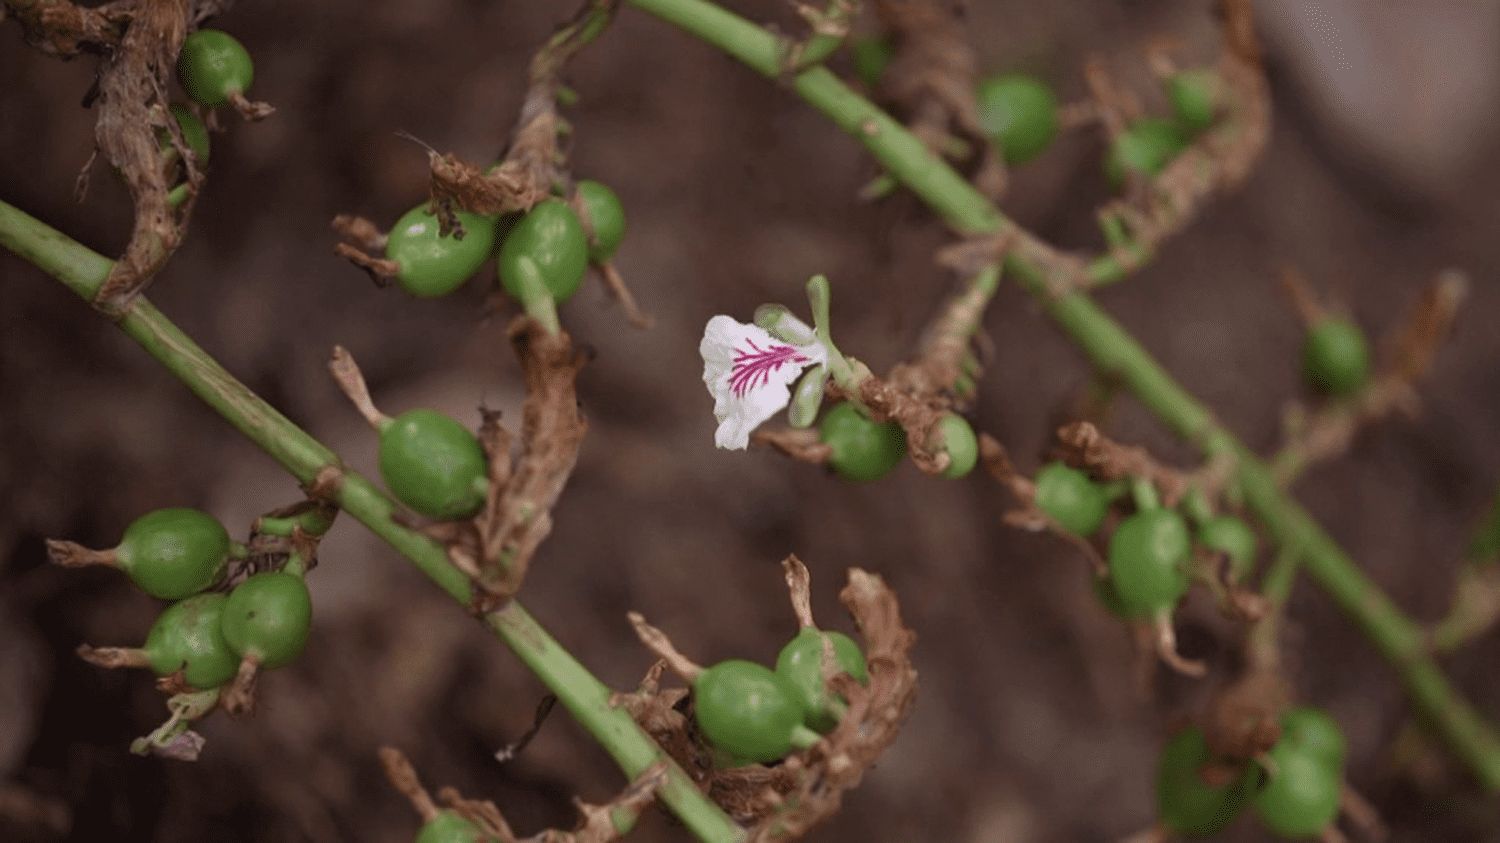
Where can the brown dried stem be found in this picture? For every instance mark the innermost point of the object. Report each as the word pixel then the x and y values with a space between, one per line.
pixel 239 695
pixel 802 445
pixel 68 554
pixel 657 642
pixel 351 382
pixel 403 777
pixel 114 658
pixel 799 590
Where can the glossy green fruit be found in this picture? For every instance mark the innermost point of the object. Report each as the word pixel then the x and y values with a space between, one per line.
pixel 1019 113
pixel 800 663
pixel 547 244
pixel 606 215
pixel 862 449
pixel 1301 796
pixel 268 616
pixel 194 133
pixel 188 637
pixel 1144 148
pixel 173 553
pixel 451 827
pixel 1314 733
pixel 960 443
pixel 1071 499
pixel 1195 95
pixel 746 710
pixel 1335 357
pixel 433 464
pixel 433 265
pixel 871 56
pixel 1232 537
pixel 1185 803
pixel 1147 560
pixel 214 66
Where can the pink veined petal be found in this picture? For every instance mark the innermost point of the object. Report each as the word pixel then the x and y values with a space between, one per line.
pixel 754 365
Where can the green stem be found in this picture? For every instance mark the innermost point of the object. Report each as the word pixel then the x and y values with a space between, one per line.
pixel 1143 492
pixel 586 698
pixel 1114 351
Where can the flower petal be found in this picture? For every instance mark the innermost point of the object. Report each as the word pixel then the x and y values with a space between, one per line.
pixel 749 374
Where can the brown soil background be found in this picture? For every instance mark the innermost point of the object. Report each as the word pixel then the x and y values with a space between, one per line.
pixel 1028 726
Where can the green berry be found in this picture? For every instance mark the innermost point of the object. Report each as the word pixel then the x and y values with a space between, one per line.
pixel 1313 732
pixel 188 637
pixel 1071 499
pixel 1187 804
pixel 173 553
pixel 433 464
pixel 1145 148
pixel 606 216
pixel 1147 556
pixel 1195 95
pixel 1232 537
pixel 958 440
pixel 1301 796
pixel 800 663
pixel 268 616
pixel 194 133
pixel 548 244
pixel 213 66
pixel 862 448
pixel 1335 357
pixel 746 710
pixel 871 56
pixel 451 827
pixel 430 264
pixel 1019 113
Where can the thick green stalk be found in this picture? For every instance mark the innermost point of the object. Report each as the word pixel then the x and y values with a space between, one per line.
pixel 585 697
pixel 1113 350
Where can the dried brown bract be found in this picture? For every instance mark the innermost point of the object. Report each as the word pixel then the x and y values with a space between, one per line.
pixel 783 801
pixel 1244 718
pixel 597 823
pixel 532 165
pixel 132 113
pixel 524 486
pixel 1085 446
pixel 931 77
pixel 65 29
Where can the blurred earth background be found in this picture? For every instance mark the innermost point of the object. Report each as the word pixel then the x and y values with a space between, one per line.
pixel 1028 728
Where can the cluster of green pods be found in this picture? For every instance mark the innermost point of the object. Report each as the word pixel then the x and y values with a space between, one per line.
pixel 752 714
pixel 179 554
pixel 1295 791
pixel 544 251
pixel 1150 549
